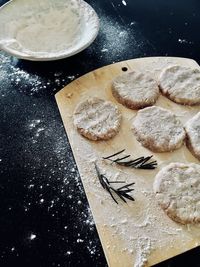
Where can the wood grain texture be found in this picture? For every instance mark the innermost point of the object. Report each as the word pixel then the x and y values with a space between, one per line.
pixel 122 226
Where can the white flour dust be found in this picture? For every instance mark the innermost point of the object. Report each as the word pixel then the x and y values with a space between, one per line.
pixel 114 37
pixel 117 39
pixel 65 181
pixel 28 82
pixel 57 28
pixel 143 250
pixel 184 41
pixel 4 77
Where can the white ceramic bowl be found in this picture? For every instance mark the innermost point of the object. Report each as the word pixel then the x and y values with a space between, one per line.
pixel 43 30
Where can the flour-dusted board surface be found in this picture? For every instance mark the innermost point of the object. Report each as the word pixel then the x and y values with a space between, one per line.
pixel 133 232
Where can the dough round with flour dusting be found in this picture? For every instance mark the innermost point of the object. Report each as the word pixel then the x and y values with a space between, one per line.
pixel 181 84
pixel 192 128
pixel 158 129
pixel 97 119
pixel 177 188
pixel 135 90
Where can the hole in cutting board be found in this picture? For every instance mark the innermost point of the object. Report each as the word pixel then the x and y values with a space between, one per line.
pixel 124 68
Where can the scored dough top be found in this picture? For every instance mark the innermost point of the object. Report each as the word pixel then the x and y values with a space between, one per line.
pixel 135 89
pixel 177 188
pixel 181 84
pixel 192 128
pixel 97 119
pixel 158 129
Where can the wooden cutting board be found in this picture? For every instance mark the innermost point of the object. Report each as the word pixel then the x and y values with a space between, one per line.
pixel 137 230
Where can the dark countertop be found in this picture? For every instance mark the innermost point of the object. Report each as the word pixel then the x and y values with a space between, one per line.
pixel 44 215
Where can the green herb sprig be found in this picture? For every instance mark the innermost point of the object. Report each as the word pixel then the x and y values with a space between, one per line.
pixel 138 163
pixel 122 192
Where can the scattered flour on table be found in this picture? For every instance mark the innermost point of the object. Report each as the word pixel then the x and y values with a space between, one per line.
pixel 184 41
pixel 67 181
pixel 4 79
pixel 30 83
pixel 36 82
pixel 115 38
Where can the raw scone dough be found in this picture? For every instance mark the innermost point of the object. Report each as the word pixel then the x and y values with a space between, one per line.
pixel 158 129
pixel 181 84
pixel 177 188
pixel 192 128
pixel 97 119
pixel 135 90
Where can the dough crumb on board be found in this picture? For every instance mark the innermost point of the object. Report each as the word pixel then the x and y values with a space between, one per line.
pixel 135 90
pixel 97 119
pixel 177 189
pixel 192 128
pixel 158 129
pixel 181 84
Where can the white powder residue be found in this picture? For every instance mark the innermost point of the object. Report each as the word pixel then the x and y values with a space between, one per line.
pixel 57 28
pixel 171 231
pixel 124 2
pixel 67 182
pixel 184 41
pixel 34 123
pixel 19 76
pixel 146 222
pixel 115 36
pixel 4 77
pixel 143 250
pixel 29 83
pixel 71 78
pixel 104 50
pixel 3 80
pixel 133 23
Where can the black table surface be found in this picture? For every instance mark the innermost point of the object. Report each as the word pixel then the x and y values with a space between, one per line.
pixel 45 219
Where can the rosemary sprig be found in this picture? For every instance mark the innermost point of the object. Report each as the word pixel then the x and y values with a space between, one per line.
pixel 122 192
pixel 138 163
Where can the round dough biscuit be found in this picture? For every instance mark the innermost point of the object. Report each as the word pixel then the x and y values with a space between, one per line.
pixel 181 84
pixel 135 90
pixel 177 189
pixel 192 129
pixel 158 129
pixel 97 119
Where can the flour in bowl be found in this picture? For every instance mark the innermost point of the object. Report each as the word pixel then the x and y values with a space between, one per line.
pixel 46 32
pixel 48 29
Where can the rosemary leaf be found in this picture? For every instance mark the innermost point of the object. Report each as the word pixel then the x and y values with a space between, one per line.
pixel 119 159
pixel 138 163
pixel 127 185
pixel 127 196
pixel 109 191
pixel 126 190
pixel 121 192
pixel 131 163
pixel 116 182
pixel 147 168
pixel 114 154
